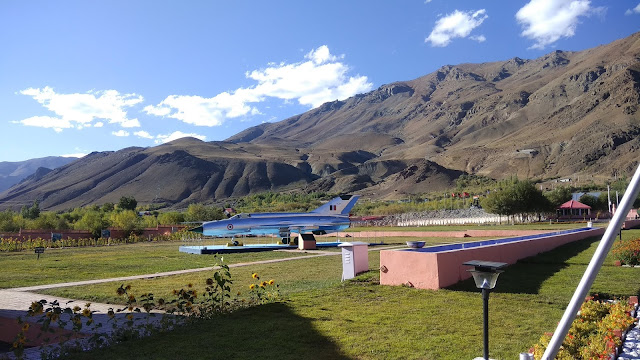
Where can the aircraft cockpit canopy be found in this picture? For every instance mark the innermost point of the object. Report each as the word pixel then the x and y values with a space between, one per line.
pixel 241 216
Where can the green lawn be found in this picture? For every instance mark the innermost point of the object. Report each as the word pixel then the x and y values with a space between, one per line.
pixel 323 318
pixel 75 264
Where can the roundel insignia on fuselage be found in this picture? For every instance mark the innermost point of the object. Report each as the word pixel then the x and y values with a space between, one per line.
pixel 230 227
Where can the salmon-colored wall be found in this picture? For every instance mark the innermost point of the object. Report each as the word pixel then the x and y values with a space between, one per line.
pixel 464 233
pixel 426 270
pixel 630 224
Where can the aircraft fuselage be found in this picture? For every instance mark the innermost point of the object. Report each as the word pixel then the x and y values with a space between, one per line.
pixel 259 224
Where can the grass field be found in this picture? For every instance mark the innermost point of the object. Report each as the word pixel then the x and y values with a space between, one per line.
pixel 323 318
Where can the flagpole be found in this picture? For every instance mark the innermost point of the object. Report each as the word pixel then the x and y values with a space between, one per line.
pixel 594 267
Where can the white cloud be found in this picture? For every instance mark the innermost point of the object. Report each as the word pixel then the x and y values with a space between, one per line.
pixel 478 38
pixel 546 21
pixel 54 123
pixel 143 134
pixel 320 78
pixel 80 110
pixel 99 124
pixel 120 133
pixel 455 25
pixel 78 155
pixel 635 10
pixel 427 1
pixel 130 123
pixel 161 139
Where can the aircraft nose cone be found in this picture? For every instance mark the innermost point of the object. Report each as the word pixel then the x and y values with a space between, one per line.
pixel 197 230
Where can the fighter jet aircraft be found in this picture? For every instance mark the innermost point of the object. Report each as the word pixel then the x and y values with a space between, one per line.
pixel 330 217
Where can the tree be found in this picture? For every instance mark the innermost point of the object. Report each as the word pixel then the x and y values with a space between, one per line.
pixel 108 207
pixel 93 221
pixel 559 196
pixel 589 200
pixel 31 212
pixel 199 212
pixel 8 221
pixel 170 218
pixel 49 220
pixel 516 197
pixel 126 220
pixel 127 203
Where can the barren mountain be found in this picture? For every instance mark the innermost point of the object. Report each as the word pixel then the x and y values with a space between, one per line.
pixel 564 114
pixel 12 173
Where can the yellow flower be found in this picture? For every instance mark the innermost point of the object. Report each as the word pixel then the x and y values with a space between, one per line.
pixel 130 316
pixel 86 312
pixel 76 309
pixel 252 286
pixel 239 293
pixel 209 281
pixel 175 292
pixel 25 327
pixel 120 291
pixel 132 298
pixel 271 282
pixel 130 308
pixel 263 284
pixel 255 275
pixel 111 314
pixel 36 307
pixel 128 287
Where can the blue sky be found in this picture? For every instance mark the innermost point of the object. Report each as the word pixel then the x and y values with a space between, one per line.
pixel 83 76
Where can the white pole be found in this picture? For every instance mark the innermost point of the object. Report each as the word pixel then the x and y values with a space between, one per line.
pixel 594 267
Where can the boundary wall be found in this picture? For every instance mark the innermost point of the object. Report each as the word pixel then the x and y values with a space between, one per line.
pixel 25 234
pixel 435 270
pixel 456 234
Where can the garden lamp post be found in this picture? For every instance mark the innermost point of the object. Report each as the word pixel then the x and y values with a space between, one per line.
pixel 485 274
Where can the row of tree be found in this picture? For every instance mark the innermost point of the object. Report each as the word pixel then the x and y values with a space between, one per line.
pixel 95 218
pixel 521 197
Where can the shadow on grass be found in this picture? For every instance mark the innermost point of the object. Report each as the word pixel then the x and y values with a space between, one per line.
pixel 528 275
pixel 271 331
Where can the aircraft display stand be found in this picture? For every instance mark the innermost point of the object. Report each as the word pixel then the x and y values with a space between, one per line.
pixel 306 242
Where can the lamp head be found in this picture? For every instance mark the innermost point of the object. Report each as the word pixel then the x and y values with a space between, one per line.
pixel 485 273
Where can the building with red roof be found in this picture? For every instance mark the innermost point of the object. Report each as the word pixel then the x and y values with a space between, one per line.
pixel 573 208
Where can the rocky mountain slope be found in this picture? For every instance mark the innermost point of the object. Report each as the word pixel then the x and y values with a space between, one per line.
pixel 12 173
pixel 564 114
pixel 561 114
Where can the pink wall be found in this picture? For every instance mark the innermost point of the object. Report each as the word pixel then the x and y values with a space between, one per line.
pixel 459 234
pixel 630 224
pixel 426 270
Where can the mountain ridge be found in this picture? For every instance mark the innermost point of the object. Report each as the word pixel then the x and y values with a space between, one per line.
pixel 563 114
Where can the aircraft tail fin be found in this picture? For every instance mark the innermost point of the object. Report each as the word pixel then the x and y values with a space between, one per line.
pixel 338 206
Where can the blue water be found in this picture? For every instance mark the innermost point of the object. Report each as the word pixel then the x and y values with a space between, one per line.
pixel 442 248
